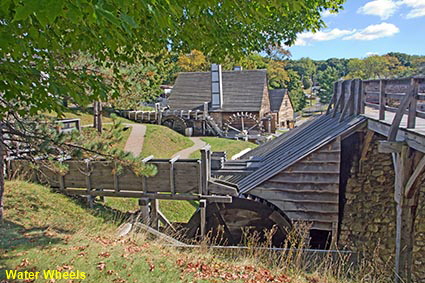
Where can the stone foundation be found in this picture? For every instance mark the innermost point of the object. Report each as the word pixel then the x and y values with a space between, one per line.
pixel 369 217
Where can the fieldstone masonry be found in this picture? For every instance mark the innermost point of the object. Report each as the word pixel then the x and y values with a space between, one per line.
pixel 368 223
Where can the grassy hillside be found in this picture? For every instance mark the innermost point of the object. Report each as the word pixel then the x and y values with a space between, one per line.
pixel 232 147
pixel 162 142
pixel 48 231
pixel 86 116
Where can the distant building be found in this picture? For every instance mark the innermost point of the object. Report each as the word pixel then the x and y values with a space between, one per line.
pixel 227 93
pixel 281 107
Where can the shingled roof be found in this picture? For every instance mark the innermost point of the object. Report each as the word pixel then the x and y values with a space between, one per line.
pixel 276 97
pixel 242 90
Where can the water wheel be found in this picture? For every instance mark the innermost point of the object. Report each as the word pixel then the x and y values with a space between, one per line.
pixel 174 122
pixel 233 223
pixel 243 124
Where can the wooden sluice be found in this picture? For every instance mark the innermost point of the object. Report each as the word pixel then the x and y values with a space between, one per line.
pixel 176 179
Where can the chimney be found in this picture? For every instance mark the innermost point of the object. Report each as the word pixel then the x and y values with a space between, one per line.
pixel 216 87
pixel 237 68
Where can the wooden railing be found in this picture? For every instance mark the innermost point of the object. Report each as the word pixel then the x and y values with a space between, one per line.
pixel 401 96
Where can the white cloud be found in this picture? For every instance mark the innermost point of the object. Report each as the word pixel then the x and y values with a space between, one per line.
pixel 417 8
pixel 371 54
pixel 374 32
pixel 382 8
pixel 306 38
pixel 386 8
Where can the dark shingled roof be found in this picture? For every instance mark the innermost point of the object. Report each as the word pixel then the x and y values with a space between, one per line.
pixel 289 148
pixel 276 97
pixel 242 90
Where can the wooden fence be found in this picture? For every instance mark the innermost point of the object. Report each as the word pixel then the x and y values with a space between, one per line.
pixel 402 96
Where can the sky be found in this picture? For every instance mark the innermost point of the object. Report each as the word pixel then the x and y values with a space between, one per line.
pixel 364 28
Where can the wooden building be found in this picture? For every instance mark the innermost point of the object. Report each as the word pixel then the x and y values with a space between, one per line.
pixel 281 108
pixel 237 100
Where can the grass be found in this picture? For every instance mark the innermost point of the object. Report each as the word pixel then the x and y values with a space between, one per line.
pixel 163 142
pixel 232 147
pixel 43 230
pixel 86 116
pixel 175 211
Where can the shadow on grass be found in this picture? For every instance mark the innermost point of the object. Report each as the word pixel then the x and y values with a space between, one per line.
pixel 16 237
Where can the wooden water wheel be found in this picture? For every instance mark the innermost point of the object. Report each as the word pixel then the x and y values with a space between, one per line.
pixel 174 122
pixel 243 124
pixel 231 223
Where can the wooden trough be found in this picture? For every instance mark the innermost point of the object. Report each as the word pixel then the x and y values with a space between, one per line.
pixel 176 179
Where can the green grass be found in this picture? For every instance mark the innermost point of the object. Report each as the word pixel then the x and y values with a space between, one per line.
pixel 175 210
pixel 86 116
pixel 43 230
pixel 163 142
pixel 232 147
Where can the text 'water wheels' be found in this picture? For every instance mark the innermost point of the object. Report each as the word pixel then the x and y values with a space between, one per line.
pixel 174 122
pixel 235 223
pixel 243 124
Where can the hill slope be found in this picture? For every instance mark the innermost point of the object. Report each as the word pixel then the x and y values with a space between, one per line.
pixel 48 231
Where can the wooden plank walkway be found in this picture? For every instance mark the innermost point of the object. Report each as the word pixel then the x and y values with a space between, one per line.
pixel 389 118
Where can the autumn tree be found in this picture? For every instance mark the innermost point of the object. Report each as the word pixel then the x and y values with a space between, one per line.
pixel 40 38
pixel 195 61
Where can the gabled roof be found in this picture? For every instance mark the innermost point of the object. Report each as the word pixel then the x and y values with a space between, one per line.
pixel 242 90
pixel 276 97
pixel 289 148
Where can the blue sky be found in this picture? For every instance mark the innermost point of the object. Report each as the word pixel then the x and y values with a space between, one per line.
pixel 367 27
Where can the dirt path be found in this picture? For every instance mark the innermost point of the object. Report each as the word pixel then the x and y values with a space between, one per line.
pixel 185 153
pixel 135 141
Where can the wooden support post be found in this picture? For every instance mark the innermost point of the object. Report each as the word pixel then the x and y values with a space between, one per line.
pixel 339 94
pixel 203 214
pixel 382 99
pixel 357 96
pixel 411 118
pixel 362 97
pixel 405 215
pixel 144 210
pixel 172 175
pixel 349 101
pixel 154 213
pixel 206 168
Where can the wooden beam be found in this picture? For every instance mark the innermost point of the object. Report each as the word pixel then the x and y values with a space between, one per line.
pixel 172 174
pixel 410 188
pixel 390 146
pixel 165 221
pixel 203 214
pixel 339 95
pixel 154 213
pixel 382 99
pixel 140 194
pixel 144 210
pixel 400 112
pixel 333 99
pixel 411 118
pixel 366 144
pixel 349 101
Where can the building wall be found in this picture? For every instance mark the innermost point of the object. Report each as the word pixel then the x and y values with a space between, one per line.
pixel 286 112
pixel 265 104
pixel 369 214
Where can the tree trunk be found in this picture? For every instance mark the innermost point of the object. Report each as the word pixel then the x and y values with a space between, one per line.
pixel 1 172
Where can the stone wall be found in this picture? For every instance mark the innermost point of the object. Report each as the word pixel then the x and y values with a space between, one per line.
pixel 419 247
pixel 368 223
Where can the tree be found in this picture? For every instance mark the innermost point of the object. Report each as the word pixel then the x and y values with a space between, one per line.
pixel 195 61
pixel 295 90
pixel 326 81
pixel 305 67
pixel 40 39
